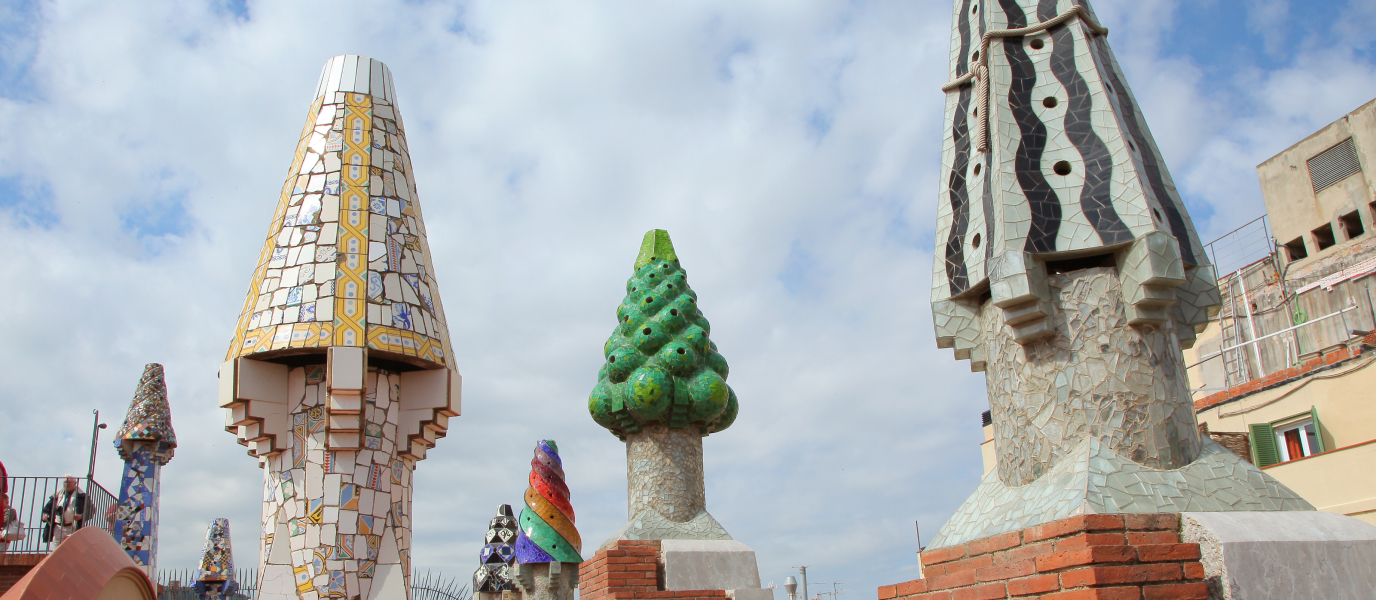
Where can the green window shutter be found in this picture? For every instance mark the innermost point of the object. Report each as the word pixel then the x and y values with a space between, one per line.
pixel 1318 429
pixel 1264 451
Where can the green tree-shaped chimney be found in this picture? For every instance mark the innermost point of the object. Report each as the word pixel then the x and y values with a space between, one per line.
pixel 661 368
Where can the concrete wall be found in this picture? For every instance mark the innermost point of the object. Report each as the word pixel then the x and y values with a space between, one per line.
pixel 1334 481
pixel 1287 189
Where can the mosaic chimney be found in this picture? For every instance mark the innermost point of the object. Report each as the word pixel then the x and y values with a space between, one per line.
pixel 1068 270
pixel 340 375
pixel 145 442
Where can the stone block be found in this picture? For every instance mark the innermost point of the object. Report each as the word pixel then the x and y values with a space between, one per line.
pixel 709 565
pixel 1309 554
pixel 751 594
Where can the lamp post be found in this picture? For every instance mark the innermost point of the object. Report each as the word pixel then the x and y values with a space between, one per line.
pixel 803 571
pixel 96 426
pixel 791 586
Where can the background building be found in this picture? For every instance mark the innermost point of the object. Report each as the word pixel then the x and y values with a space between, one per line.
pixel 1281 376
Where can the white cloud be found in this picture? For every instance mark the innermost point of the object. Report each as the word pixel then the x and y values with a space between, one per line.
pixel 789 148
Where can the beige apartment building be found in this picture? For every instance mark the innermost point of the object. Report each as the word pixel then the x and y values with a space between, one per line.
pixel 1282 376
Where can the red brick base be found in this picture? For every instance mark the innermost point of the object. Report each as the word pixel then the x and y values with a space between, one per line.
pixel 631 569
pixel 1105 557
pixel 14 567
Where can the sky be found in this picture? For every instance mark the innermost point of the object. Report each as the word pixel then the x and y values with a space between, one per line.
pixel 790 147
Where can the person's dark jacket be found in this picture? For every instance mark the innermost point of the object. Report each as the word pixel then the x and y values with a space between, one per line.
pixel 52 511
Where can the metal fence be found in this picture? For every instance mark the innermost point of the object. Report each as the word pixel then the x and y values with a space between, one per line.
pixel 29 494
pixel 1241 247
pixel 179 584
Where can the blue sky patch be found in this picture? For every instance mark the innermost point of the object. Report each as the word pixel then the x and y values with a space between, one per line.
pixel 19 29
pixel 30 203
pixel 1223 37
pixel 155 222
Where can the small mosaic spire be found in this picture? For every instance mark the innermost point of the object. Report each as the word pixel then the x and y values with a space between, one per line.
pixel 499 550
pixel 149 418
pixel 547 532
pixel 215 577
pixel 146 442
pixel 661 368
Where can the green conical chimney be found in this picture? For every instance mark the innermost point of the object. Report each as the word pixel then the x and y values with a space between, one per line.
pixel 661 368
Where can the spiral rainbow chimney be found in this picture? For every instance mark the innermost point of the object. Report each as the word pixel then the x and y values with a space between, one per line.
pixel 547 531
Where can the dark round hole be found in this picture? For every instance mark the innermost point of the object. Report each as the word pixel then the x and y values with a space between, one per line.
pixel 611 359
pixel 974 57
pixel 975 112
pixel 682 351
pixel 692 299
pixel 1157 213
pixel 646 331
pixel 650 299
pixel 673 311
pixel 671 286
pixel 652 275
pixel 974 9
pixel 1037 44
pixel 1061 168
pixel 977 165
pixel 975 241
pixel 1049 102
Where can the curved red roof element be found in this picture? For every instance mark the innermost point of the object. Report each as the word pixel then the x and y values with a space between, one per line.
pixel 87 566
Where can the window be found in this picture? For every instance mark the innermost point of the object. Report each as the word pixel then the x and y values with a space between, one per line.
pixel 1352 224
pixel 1333 165
pixel 1295 249
pixel 1288 439
pixel 1323 237
pixel 1297 440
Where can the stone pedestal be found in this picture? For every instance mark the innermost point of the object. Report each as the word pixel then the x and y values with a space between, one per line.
pixel 1257 555
pixel 545 581
pixel 711 565
pixel 696 569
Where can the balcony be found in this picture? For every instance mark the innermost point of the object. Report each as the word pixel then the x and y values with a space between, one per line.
pixel 29 494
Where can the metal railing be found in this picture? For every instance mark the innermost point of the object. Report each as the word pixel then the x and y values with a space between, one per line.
pixel 180 584
pixel 435 586
pixel 1241 247
pixel 1292 354
pixel 28 495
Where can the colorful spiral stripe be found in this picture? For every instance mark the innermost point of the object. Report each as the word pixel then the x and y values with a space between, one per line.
pixel 547 531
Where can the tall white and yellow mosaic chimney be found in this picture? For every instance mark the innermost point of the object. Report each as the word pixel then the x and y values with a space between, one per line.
pixel 340 374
